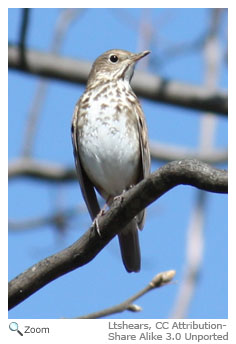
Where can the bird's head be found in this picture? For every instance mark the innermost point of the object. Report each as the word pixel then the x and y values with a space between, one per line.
pixel 113 65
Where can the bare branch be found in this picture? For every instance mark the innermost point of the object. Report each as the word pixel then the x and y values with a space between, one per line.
pixel 168 153
pixel 158 281
pixel 65 19
pixel 58 219
pixel 144 85
pixel 186 172
pixel 47 171
pixel 196 238
pixel 23 34
pixel 28 167
pixel 194 257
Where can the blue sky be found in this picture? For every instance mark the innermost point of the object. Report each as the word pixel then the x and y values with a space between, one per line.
pixel 104 281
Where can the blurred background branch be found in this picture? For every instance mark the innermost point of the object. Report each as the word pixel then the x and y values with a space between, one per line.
pixel 25 18
pixel 65 19
pixel 58 219
pixel 48 171
pixel 195 233
pixel 144 84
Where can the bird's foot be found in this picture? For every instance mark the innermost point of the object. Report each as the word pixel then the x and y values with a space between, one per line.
pixel 120 197
pixel 95 221
pixel 96 225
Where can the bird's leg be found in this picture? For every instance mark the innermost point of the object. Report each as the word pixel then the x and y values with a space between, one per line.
pixel 101 213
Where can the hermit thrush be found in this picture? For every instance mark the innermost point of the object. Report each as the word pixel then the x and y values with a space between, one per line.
pixel 110 141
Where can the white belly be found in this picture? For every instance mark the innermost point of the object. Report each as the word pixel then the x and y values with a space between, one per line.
pixel 109 152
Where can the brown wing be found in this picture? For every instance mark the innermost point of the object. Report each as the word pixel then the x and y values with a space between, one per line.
pixel 145 154
pixel 86 185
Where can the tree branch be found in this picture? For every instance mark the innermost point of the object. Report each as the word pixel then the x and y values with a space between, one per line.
pixel 144 85
pixel 23 34
pixel 65 19
pixel 167 153
pixel 161 279
pixel 196 229
pixel 58 219
pixel 123 209
pixel 28 167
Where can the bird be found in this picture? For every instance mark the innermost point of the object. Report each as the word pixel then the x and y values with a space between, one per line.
pixel 110 142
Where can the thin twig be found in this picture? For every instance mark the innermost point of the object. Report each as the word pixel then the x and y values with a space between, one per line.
pixel 23 34
pixel 61 216
pixel 161 279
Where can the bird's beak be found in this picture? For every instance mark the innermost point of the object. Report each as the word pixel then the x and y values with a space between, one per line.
pixel 139 56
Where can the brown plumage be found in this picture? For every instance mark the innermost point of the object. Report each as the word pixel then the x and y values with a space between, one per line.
pixel 110 141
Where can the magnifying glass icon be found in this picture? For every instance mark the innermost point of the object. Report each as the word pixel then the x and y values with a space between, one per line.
pixel 13 326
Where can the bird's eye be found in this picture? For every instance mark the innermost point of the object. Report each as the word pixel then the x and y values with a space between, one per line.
pixel 113 58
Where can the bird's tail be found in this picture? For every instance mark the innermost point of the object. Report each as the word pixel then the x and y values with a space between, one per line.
pixel 129 246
